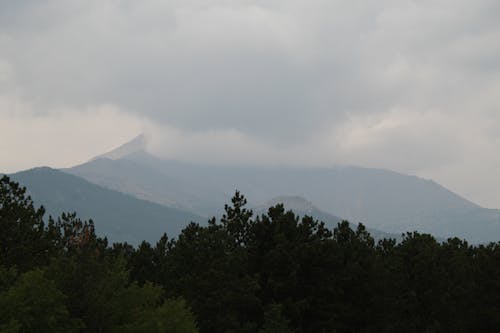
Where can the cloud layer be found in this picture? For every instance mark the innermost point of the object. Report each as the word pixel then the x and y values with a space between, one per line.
pixel 406 85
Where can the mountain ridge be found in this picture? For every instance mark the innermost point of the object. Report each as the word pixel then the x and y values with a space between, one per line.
pixel 302 207
pixel 119 216
pixel 381 199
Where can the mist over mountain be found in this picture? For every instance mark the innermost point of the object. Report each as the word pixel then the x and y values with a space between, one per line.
pixel 137 144
pixel 120 217
pixel 380 199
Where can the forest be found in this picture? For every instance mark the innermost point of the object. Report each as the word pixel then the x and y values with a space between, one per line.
pixel 276 272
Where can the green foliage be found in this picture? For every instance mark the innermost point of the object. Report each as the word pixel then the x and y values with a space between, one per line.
pixel 34 304
pixel 274 321
pixel 270 273
pixel 100 292
pixel 213 280
pixel 278 273
pixel 236 220
pixel 24 240
pixel 173 315
pixel 7 277
pixel 86 285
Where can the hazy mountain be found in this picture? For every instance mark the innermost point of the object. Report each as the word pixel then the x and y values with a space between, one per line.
pixel 381 199
pixel 119 216
pixel 135 145
pixel 301 207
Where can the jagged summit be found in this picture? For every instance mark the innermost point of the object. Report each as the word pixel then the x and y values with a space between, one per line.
pixel 137 144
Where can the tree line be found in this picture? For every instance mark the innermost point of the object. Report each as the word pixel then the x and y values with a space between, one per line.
pixel 276 272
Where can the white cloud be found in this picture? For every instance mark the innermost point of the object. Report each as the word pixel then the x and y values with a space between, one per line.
pixel 61 138
pixel 407 85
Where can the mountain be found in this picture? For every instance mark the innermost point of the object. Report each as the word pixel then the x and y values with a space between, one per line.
pixel 302 207
pixel 380 199
pixel 119 216
pixel 137 144
pixel 169 183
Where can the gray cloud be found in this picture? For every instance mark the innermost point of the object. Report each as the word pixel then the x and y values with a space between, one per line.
pixel 408 85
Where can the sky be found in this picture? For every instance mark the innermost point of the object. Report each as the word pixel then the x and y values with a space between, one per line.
pixel 411 86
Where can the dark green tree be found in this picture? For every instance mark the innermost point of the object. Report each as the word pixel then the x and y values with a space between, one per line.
pixel 34 304
pixel 24 240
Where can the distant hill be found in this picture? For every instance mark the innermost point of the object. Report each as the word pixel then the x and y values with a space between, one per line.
pixel 380 199
pixel 302 207
pixel 119 216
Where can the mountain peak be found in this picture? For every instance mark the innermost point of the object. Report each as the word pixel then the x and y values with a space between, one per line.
pixel 137 144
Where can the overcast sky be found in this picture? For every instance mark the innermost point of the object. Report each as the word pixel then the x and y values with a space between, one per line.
pixel 412 86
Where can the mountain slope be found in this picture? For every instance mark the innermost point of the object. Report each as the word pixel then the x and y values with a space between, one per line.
pixel 302 207
pixel 171 183
pixel 380 199
pixel 119 216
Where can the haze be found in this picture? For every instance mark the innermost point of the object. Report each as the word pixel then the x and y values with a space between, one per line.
pixel 410 86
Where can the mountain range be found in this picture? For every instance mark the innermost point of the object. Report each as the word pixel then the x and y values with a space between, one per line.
pixel 381 199
pixel 387 202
